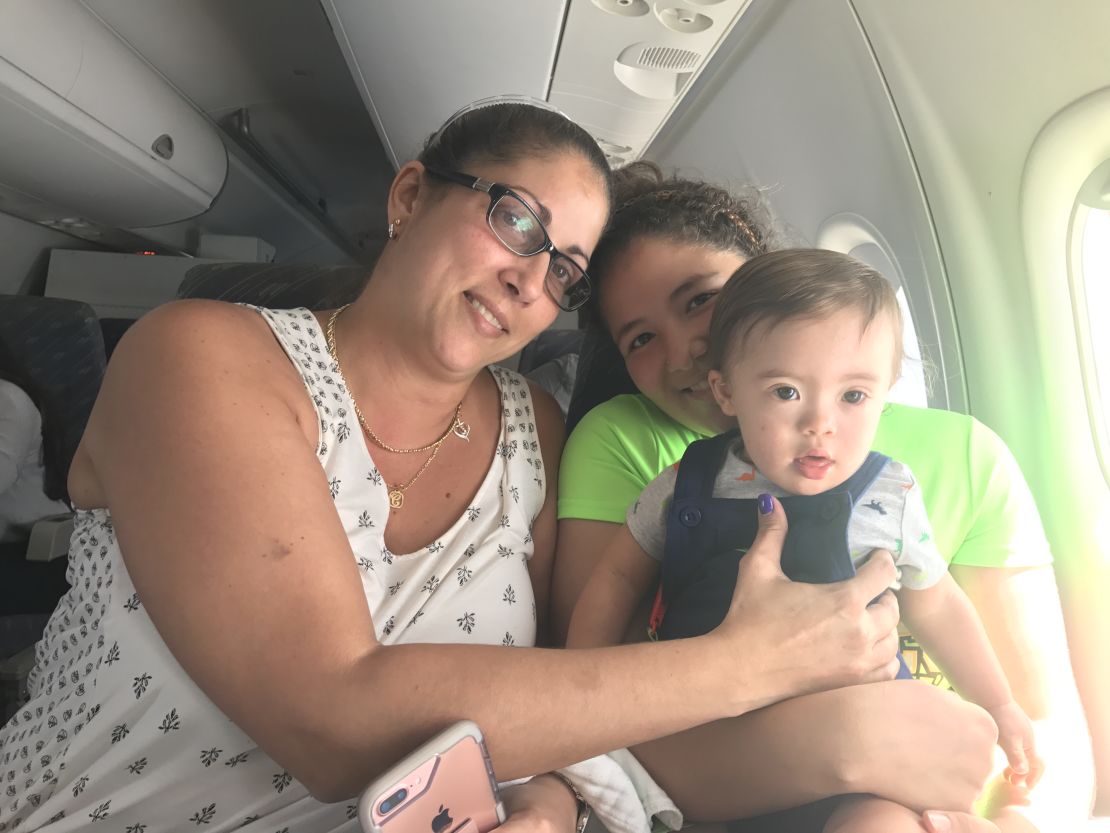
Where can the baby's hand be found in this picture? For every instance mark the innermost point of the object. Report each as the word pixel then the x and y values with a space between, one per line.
pixel 1015 736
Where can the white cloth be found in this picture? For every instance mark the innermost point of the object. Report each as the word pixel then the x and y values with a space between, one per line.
pixel 118 737
pixel 22 501
pixel 621 793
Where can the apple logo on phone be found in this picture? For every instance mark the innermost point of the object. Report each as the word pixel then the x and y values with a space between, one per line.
pixel 442 820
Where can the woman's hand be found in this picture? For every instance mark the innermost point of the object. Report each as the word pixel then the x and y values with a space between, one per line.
pixel 919 746
pixel 792 638
pixel 544 804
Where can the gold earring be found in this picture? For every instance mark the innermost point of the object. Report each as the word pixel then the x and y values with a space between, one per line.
pixel 394 227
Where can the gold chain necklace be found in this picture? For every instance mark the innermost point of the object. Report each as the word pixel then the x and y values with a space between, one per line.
pixel 457 427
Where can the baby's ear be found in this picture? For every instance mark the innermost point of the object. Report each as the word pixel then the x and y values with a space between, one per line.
pixel 721 392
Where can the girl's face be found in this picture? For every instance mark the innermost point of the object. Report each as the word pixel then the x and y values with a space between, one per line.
pixel 657 301
pixel 807 394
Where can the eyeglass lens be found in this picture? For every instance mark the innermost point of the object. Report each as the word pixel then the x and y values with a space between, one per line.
pixel 517 226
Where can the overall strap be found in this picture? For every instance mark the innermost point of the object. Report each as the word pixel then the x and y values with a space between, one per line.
pixel 693 492
pixel 697 471
pixel 865 475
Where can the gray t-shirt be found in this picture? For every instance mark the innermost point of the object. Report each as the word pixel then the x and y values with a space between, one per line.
pixel 890 515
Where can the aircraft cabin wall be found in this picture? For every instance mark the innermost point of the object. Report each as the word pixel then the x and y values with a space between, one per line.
pixel 958 138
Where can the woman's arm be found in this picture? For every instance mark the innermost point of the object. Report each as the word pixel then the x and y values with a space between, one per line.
pixel 831 743
pixel 1020 611
pixel 604 611
pixel 202 443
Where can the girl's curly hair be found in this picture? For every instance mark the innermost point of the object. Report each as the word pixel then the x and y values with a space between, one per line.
pixel 648 204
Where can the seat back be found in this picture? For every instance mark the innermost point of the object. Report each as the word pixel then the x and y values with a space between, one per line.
pixel 55 347
pixel 601 376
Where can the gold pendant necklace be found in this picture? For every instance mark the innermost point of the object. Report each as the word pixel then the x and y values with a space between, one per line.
pixel 457 427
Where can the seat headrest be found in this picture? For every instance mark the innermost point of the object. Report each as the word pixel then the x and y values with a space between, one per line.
pixel 54 345
pixel 276 286
pixel 601 376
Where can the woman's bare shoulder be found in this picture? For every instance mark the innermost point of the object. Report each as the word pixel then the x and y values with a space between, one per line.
pixel 203 343
pixel 199 329
pixel 186 358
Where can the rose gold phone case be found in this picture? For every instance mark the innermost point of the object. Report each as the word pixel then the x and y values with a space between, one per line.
pixel 450 787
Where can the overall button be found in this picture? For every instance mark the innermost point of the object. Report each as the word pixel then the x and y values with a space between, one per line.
pixel 690 516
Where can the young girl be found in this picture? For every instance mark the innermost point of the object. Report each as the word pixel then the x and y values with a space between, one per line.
pixel 804 346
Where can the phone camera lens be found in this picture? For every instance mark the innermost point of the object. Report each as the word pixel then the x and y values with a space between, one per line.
pixel 392 802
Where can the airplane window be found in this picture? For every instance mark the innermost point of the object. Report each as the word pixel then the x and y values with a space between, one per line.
pixel 912 388
pixel 1095 281
pixel 854 235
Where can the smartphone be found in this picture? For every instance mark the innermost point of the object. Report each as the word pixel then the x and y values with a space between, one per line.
pixel 445 786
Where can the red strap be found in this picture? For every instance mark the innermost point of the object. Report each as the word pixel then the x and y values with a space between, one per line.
pixel 658 611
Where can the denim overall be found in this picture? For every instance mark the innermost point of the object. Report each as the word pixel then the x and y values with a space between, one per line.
pixel 706 537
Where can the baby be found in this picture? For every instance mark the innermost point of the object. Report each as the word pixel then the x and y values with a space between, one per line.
pixel 805 346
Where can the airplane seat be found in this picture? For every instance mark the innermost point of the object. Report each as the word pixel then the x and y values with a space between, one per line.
pixel 549 346
pixel 551 361
pixel 112 330
pixel 275 285
pixel 55 346
pixel 601 376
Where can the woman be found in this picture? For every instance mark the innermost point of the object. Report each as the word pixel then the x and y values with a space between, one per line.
pixel 275 508
pixel 670 246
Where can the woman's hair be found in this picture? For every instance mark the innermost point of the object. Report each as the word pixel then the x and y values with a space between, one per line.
pixel 798 283
pixel 509 131
pixel 686 211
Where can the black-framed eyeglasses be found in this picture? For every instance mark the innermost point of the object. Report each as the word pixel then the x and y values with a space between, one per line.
pixel 520 230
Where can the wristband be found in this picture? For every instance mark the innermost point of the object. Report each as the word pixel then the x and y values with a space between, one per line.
pixel 583 806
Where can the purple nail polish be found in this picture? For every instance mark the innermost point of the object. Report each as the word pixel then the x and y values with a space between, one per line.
pixel 766 504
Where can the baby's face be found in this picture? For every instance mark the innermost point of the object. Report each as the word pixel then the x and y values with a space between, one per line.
pixel 807 395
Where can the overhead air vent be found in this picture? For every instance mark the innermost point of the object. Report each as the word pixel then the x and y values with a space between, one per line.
pixel 683 20
pixel 621 71
pixel 657 72
pixel 667 57
pixel 625 8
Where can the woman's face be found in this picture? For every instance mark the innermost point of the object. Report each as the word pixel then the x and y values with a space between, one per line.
pixel 468 299
pixel 657 300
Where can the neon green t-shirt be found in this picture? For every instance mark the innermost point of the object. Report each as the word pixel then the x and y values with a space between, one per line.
pixel 980 507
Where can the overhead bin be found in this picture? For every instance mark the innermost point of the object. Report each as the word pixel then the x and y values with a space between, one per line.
pixel 89 132
pixel 416 63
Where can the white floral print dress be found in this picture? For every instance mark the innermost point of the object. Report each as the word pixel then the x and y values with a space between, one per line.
pixel 116 737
